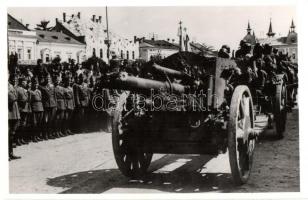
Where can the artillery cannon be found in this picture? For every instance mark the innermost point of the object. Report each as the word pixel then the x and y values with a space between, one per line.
pixel 179 116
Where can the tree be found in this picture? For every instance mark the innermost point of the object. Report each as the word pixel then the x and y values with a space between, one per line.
pixel 43 26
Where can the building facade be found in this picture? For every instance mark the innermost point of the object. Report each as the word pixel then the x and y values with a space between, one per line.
pixel 55 44
pixel 156 48
pixel 94 34
pixel 286 44
pixel 21 41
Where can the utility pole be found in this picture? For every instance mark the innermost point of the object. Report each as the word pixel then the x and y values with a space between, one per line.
pixel 180 36
pixel 108 41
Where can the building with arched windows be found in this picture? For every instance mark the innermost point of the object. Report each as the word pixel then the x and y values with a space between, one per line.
pixel 94 34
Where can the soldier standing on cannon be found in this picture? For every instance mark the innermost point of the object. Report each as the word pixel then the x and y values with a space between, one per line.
pixel 14 115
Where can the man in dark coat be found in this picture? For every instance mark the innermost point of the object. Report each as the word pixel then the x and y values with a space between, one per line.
pixel 14 115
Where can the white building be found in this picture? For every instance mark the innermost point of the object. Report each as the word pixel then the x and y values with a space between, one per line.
pixel 94 34
pixel 156 48
pixel 53 44
pixel 287 44
pixel 21 41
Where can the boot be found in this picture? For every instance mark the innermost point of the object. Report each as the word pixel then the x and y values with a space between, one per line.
pixel 13 157
pixel 34 138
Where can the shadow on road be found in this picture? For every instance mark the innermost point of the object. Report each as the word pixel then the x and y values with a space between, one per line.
pixel 186 178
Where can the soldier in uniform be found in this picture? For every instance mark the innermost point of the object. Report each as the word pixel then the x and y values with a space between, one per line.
pixel 50 106
pixel 14 115
pixel 59 92
pixel 224 52
pixel 81 97
pixel 69 103
pixel 37 110
pixel 23 99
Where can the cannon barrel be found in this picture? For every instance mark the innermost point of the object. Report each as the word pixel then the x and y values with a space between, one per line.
pixel 142 85
pixel 171 72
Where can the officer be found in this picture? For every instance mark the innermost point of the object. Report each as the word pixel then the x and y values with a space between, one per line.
pixel 69 103
pixel 37 110
pixel 14 115
pixel 24 109
pixel 59 92
pixel 50 106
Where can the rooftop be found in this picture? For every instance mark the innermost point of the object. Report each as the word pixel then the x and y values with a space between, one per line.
pixel 162 44
pixel 55 37
pixel 15 24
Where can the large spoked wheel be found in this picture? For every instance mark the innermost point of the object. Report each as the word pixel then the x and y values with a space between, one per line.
pixel 280 110
pixel 130 158
pixel 241 140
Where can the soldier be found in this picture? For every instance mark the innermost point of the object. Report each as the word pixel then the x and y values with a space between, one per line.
pixel 24 109
pixel 81 100
pixel 50 106
pixel 59 92
pixel 37 110
pixel 14 115
pixel 224 52
pixel 69 103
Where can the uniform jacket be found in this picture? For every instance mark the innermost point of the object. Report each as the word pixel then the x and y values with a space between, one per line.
pixel 23 99
pixel 81 95
pixel 59 91
pixel 69 98
pixel 48 96
pixel 13 105
pixel 36 101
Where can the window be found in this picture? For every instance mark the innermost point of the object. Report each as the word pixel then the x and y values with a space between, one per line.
pixel 19 53
pixel 29 54
pixel 101 53
pixel 127 55
pixel 133 55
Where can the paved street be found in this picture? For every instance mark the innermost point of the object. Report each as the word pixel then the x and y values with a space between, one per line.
pixel 84 163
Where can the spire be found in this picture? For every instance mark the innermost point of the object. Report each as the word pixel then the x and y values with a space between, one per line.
pixel 292 27
pixel 248 28
pixel 270 30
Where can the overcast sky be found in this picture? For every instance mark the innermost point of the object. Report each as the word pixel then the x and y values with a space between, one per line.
pixel 211 25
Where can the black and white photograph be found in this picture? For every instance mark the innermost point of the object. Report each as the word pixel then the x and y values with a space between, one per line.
pixel 153 99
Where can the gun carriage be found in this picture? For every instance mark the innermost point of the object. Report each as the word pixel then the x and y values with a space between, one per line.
pixel 185 111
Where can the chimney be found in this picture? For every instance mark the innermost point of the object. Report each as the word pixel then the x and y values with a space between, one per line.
pixel 27 25
pixel 168 39
pixel 78 15
pixel 64 17
pixel 100 19
pixel 173 40
pixel 97 20
pixel 57 20
pixel 135 39
pixel 72 15
pixel 93 18
pixel 152 39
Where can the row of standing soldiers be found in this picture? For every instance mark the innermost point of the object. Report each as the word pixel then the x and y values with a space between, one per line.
pixel 43 108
